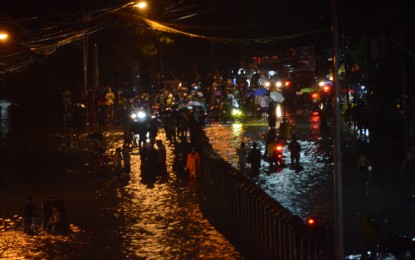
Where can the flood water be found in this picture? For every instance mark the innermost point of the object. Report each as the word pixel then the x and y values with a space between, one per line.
pixel 383 194
pixel 306 193
pixel 129 218
pixel 109 218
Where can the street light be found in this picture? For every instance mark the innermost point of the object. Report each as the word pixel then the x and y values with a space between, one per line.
pixel 140 5
pixel 4 36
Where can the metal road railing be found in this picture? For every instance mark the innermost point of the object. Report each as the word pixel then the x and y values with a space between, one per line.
pixel 279 233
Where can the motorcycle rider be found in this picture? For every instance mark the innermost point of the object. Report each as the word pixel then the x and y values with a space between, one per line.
pixel 149 158
pixel 271 154
pixel 152 127
pixel 142 133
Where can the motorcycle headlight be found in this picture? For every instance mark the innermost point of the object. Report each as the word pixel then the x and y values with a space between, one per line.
pixel 278 84
pixel 236 112
pixel 141 115
pixel 267 84
pixel 133 116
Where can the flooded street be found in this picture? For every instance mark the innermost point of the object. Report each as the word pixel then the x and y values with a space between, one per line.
pixel 310 192
pixel 306 193
pixel 164 220
pixel 131 217
pixel 109 218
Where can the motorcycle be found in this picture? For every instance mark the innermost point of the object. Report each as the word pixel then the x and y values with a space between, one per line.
pixel 276 158
pixel 138 120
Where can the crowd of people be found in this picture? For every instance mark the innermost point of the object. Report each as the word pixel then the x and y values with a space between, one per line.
pixel 174 108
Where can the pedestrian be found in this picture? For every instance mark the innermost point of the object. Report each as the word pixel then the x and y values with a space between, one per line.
pixel 272 116
pixel 181 150
pixel 130 133
pixel 126 156
pixel 109 102
pixel 169 124
pixel 263 104
pixel 161 150
pixel 295 148
pixel 254 158
pixel 193 163
pixel 117 160
pixel 242 156
pixel 28 214
pixel 152 126
pixel 55 221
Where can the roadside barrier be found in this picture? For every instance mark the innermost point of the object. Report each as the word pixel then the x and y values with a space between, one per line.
pixel 278 232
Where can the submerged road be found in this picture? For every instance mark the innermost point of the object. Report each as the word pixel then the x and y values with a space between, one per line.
pixel 109 218
pixel 120 218
pixel 310 193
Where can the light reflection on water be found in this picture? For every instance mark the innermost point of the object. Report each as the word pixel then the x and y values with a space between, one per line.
pixel 127 218
pixel 165 221
pixel 304 193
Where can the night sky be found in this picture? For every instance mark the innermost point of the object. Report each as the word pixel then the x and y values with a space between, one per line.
pixel 42 24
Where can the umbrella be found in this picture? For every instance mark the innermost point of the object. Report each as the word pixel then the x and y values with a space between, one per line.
pixel 260 92
pixel 277 97
pixel 307 90
pixel 194 103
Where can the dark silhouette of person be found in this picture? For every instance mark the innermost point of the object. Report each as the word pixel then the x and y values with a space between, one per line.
pixel 169 124
pixel 295 148
pixel 272 117
pixel 28 214
pixel 254 158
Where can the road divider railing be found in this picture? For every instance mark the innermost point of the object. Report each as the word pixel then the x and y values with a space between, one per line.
pixel 279 233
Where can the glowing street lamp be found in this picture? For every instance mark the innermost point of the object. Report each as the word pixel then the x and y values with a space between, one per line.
pixel 3 36
pixel 140 5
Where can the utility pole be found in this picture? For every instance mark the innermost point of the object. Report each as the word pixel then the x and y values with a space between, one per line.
pixel 85 87
pixel 339 248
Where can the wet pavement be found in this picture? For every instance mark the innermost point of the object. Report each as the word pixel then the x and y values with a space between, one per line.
pixel 310 192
